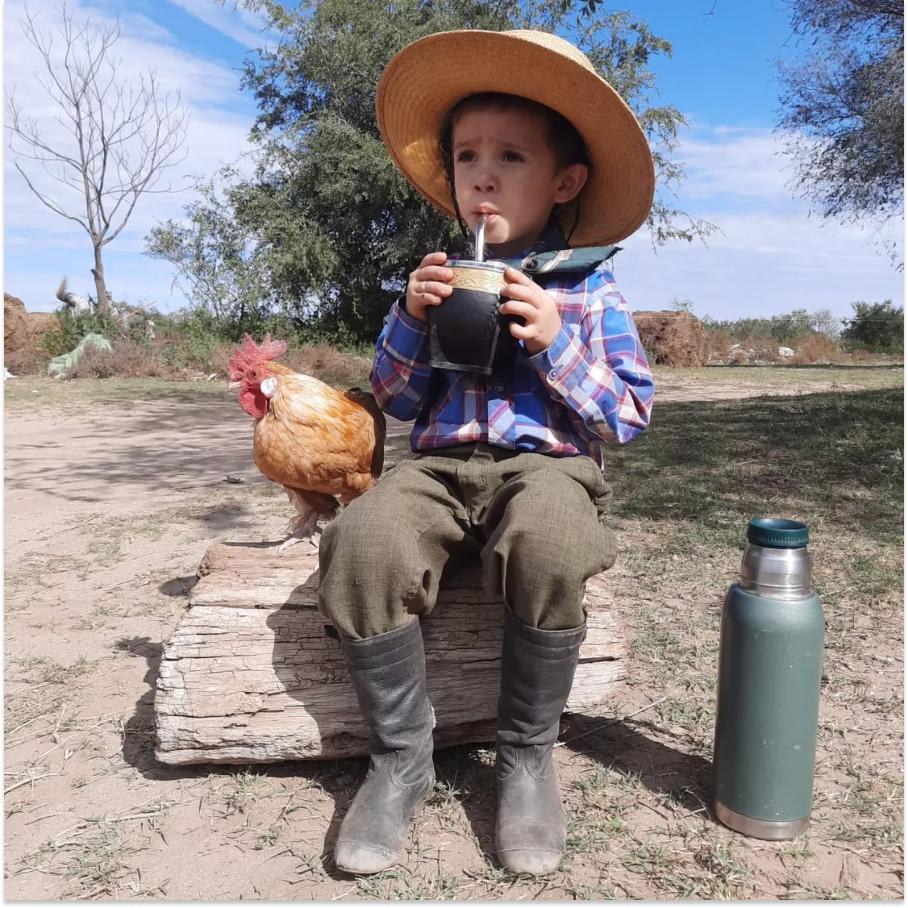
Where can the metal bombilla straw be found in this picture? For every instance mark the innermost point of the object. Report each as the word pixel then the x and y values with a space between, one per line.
pixel 481 238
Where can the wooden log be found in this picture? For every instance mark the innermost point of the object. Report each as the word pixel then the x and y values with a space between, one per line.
pixel 254 673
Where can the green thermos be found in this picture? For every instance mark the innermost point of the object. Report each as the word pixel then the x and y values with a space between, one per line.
pixel 770 666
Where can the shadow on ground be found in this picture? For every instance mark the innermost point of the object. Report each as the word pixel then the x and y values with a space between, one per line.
pixel 162 446
pixel 832 457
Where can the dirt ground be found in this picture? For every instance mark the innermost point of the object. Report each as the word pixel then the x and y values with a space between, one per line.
pixel 110 502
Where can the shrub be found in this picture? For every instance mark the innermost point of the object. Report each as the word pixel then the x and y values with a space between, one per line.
pixel 720 342
pixel 817 348
pixel 70 329
pixel 127 358
pixel 877 327
pixel 336 367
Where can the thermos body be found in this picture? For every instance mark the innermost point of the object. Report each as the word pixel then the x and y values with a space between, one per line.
pixel 770 667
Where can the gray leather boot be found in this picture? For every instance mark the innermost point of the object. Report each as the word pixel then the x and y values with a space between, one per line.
pixel 389 675
pixel 537 671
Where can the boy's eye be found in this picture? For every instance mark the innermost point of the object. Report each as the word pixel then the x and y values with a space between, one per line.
pixel 512 156
pixel 464 156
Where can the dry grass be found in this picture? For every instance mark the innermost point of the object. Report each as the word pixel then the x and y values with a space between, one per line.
pixel 178 357
pixel 816 348
pixel 127 359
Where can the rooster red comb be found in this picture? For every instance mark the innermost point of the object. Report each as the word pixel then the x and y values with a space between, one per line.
pixel 251 354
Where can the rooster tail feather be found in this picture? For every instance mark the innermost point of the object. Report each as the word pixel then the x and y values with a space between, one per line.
pixel 368 402
pixel 61 290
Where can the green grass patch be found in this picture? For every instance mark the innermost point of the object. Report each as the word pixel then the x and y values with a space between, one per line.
pixel 775 378
pixel 833 458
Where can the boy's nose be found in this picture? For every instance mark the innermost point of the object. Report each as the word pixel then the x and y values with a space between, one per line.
pixel 484 177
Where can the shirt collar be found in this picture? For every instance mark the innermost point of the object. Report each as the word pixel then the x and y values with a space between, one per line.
pixel 551 253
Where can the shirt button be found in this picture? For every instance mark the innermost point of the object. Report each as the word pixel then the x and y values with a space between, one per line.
pixel 553 375
pixel 498 387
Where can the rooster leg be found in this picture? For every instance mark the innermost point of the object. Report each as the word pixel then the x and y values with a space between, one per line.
pixel 304 525
pixel 292 540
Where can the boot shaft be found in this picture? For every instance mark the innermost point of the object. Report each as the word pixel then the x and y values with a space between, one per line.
pixel 389 676
pixel 537 672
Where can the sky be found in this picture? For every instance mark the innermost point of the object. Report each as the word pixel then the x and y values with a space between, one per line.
pixel 768 256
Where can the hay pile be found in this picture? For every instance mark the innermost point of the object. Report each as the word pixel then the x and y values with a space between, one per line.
pixel 41 322
pixel 16 335
pixel 22 333
pixel 673 338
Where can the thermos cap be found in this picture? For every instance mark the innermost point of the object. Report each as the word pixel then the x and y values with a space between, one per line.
pixel 777 533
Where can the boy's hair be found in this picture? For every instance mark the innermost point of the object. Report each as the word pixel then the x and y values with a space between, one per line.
pixel 563 138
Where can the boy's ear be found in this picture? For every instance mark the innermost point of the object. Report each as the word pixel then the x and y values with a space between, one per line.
pixel 570 181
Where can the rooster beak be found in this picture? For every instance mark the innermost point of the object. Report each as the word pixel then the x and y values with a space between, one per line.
pixel 234 386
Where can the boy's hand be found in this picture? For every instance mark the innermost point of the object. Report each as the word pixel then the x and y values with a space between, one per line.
pixel 537 308
pixel 429 285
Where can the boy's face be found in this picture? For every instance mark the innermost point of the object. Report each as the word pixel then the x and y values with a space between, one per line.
pixel 505 167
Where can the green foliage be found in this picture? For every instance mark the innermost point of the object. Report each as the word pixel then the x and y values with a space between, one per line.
pixel 221 266
pixel 785 330
pixel 326 232
pixel 878 327
pixel 843 105
pixel 69 330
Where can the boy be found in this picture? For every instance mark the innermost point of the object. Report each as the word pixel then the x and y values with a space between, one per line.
pixel 508 465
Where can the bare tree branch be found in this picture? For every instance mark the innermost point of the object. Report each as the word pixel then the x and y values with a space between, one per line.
pixel 115 140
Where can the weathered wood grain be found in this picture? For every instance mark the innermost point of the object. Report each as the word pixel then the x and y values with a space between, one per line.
pixel 253 673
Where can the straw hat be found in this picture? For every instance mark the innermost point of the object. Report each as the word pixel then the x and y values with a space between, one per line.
pixel 428 77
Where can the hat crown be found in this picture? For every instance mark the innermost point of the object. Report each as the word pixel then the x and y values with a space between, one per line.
pixel 554 43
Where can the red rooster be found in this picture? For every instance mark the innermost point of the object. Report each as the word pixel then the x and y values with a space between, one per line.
pixel 320 444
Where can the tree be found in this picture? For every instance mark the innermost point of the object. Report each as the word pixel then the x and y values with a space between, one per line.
pixel 877 326
pixel 842 106
pixel 824 322
pixel 338 222
pixel 224 271
pixel 116 138
pixel 787 329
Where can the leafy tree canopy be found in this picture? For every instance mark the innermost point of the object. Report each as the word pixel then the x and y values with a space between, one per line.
pixel 326 216
pixel 843 103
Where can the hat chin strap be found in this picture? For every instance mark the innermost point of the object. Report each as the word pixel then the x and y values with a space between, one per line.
pixel 449 173
pixel 567 239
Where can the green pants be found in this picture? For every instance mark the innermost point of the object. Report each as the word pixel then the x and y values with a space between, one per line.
pixel 533 520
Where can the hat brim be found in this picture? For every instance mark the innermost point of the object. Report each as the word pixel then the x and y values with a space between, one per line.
pixel 428 77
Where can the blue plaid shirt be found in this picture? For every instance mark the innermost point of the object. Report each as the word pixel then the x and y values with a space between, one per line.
pixel 592 382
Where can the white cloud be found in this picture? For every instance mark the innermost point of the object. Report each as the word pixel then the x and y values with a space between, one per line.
pixel 735 163
pixel 761 265
pixel 242 25
pixel 769 255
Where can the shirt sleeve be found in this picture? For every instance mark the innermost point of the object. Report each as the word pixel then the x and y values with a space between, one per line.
pixel 400 372
pixel 598 368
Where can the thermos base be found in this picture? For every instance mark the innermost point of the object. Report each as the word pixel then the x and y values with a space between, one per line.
pixel 774 830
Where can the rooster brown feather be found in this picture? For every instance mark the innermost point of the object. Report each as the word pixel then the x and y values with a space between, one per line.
pixel 324 446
